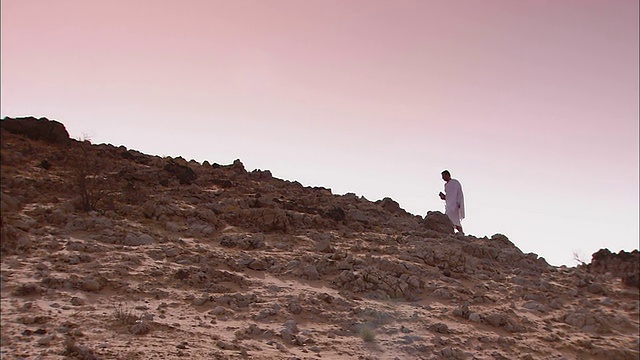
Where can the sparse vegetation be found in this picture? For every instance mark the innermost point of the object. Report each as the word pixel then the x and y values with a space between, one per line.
pixel 124 316
pixel 578 259
pixel 88 179
pixel 202 271
pixel 127 317
pixel 366 333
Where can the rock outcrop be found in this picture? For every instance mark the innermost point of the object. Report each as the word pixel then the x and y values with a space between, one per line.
pixel 624 265
pixel 37 129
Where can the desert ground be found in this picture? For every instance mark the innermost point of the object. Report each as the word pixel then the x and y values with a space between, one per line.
pixel 109 253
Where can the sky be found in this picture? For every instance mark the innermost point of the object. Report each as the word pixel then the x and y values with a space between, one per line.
pixel 532 105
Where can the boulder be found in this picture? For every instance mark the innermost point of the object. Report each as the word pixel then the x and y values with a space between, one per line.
pixel 625 265
pixel 238 166
pixel 37 129
pixel 183 173
pixel 391 206
pixel 437 221
pixel 336 214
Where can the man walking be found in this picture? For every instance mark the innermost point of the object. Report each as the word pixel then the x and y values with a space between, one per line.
pixel 454 200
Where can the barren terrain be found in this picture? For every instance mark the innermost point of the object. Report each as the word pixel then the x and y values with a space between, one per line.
pixel 108 253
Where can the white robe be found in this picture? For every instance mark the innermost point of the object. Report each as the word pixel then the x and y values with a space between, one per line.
pixel 454 205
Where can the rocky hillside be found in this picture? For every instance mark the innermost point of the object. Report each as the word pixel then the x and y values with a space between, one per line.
pixel 108 253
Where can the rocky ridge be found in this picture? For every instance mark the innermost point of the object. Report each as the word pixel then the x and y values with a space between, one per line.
pixel 109 253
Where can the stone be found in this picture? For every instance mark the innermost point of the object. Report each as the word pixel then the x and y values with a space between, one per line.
pixel 336 214
pixel 391 206
pixel 90 284
pixel 440 328
pixel 135 240
pixel 77 301
pixel 218 310
pixel 439 222
pixel 323 245
pixel 37 129
pixel 625 265
pixel 171 226
pixel 475 317
pixel 8 203
pixel 183 173
pixel 311 272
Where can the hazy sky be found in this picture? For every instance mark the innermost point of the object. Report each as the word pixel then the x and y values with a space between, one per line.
pixel 532 105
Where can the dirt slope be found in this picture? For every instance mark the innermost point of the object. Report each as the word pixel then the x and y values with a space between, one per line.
pixel 108 253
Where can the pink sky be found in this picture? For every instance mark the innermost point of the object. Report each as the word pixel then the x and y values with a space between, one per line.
pixel 532 105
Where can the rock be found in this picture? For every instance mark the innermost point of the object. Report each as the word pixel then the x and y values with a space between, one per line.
pixel 149 209
pixel 391 206
pixel 183 173
pixel 37 129
pixel 243 241
pixel 311 272
pixel 336 214
pixel 90 284
pixel 46 340
pixel 8 203
pixel 625 265
pixel 200 301
pixel 45 164
pixel 135 240
pixel 171 226
pixel 238 166
pixel 223 183
pixel 503 320
pixel 437 221
pixel 357 215
pixel 440 328
pixel 77 301
pixel 218 310
pixel 323 245
pixel 462 311
pixel 475 317
pixel 294 307
pixel 224 345
pixel 534 305
pixel 292 325
pixel 442 293
pixel 501 241
pixel 596 288
pixel 263 219
pixel 258 265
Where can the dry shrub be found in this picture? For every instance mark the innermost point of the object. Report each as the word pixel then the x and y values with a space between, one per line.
pixel 124 316
pixel 77 351
pixel 366 333
pixel 88 178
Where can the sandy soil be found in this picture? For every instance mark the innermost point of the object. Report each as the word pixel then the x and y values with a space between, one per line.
pixel 230 264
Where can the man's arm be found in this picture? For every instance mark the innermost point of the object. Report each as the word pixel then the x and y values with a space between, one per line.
pixel 442 196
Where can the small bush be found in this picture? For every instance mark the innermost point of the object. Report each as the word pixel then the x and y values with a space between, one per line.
pixel 367 334
pixel 88 178
pixel 124 316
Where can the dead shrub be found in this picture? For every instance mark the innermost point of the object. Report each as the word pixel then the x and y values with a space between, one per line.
pixel 88 177
pixel 125 316
pixel 77 351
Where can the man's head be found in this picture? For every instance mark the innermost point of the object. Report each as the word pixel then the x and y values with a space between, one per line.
pixel 446 176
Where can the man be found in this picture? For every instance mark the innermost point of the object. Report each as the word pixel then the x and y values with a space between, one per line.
pixel 454 200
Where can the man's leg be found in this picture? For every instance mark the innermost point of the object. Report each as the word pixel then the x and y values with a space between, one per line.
pixel 459 228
